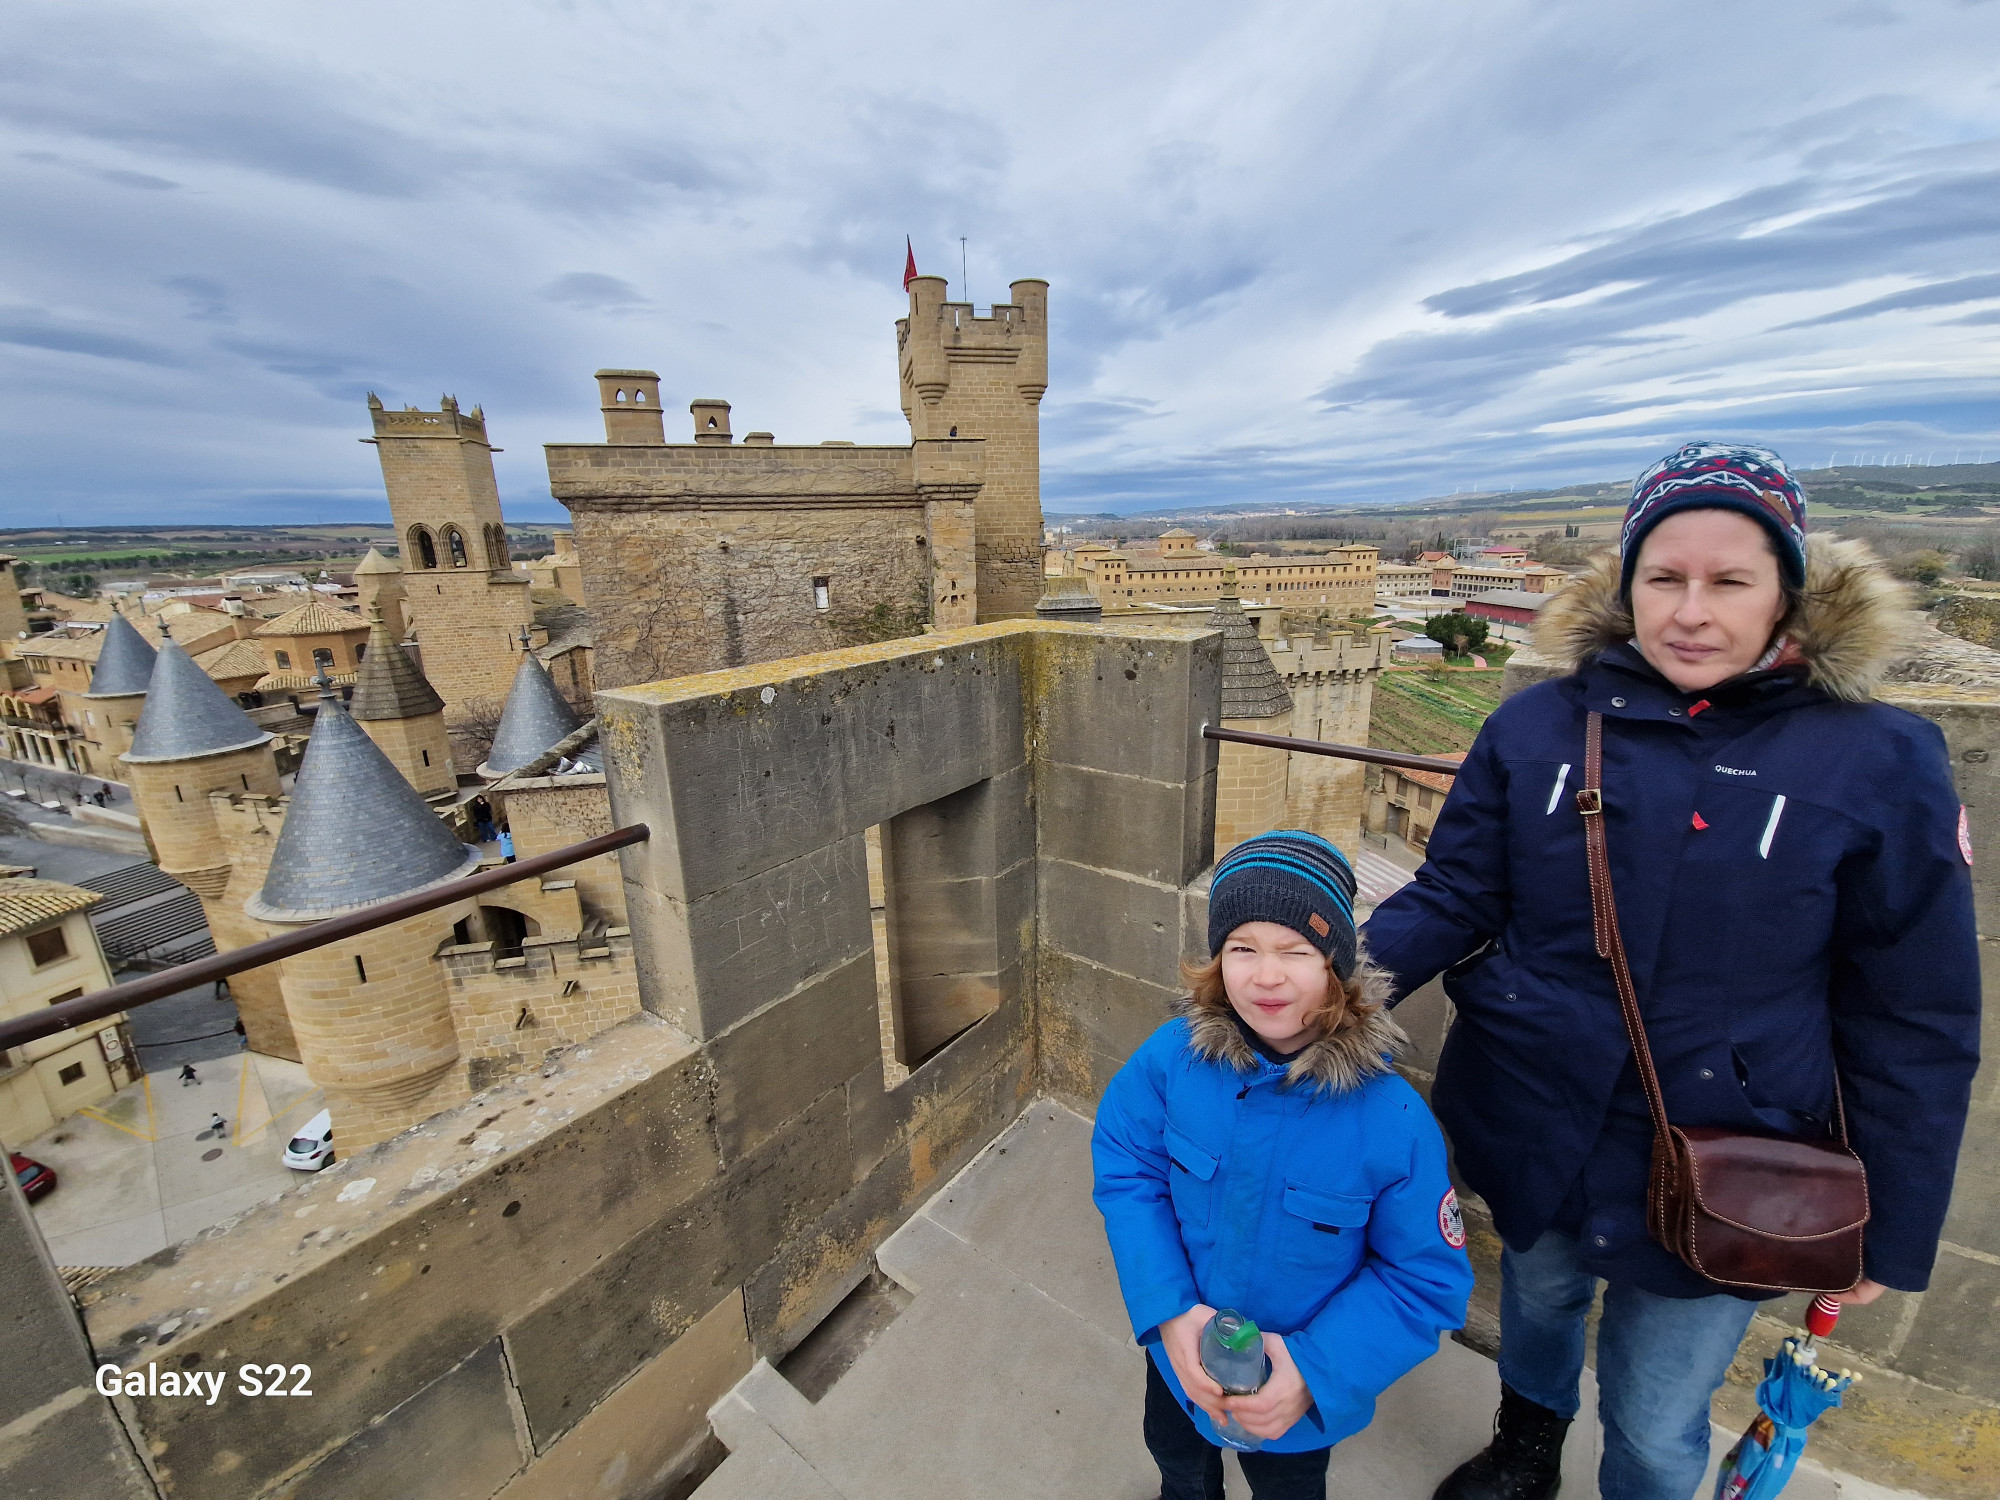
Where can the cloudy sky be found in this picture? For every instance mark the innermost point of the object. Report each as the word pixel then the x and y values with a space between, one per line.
pixel 1319 251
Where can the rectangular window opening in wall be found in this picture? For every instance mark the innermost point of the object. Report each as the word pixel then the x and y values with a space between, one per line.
pixel 46 947
pixel 944 882
pixel 71 1074
pixel 822 595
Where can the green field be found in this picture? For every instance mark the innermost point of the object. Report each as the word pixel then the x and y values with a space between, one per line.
pixel 1415 714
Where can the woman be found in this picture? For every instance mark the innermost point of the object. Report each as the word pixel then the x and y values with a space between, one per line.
pixel 1791 871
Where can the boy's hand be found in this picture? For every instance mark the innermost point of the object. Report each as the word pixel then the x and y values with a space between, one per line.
pixel 1181 1338
pixel 1271 1412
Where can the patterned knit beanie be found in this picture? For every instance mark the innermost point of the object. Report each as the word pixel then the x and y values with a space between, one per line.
pixel 1290 877
pixel 1719 476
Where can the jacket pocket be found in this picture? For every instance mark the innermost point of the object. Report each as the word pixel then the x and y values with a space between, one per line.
pixel 1323 1231
pixel 1191 1178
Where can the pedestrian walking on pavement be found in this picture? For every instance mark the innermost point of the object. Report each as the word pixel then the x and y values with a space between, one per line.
pixel 188 1075
pixel 217 1124
pixel 1790 865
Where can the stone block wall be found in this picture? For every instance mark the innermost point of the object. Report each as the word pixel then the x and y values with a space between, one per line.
pixel 512 1013
pixel 550 812
pixel 699 558
pixel 540 1291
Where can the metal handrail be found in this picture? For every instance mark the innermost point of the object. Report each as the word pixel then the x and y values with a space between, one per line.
pixel 1327 747
pixel 108 1002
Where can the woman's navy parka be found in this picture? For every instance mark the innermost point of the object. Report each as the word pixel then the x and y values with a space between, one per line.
pixel 1793 886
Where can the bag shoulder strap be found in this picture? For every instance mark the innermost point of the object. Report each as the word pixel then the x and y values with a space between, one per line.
pixel 1611 942
pixel 1604 918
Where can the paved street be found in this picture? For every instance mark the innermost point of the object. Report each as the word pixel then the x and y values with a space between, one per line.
pixel 142 1170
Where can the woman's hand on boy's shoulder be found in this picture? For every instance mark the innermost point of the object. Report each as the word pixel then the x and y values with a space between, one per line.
pixel 1284 1398
pixel 1181 1338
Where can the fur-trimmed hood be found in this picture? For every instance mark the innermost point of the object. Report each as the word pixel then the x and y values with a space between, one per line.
pixel 1333 1064
pixel 1853 625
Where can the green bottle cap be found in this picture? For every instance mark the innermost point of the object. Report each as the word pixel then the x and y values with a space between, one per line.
pixel 1235 1332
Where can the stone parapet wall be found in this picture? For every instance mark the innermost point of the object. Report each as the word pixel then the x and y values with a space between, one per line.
pixel 540 1291
pixel 512 1013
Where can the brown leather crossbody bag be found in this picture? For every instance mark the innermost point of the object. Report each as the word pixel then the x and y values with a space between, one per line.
pixel 1766 1213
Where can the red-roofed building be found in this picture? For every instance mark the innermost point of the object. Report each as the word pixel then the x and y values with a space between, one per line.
pixel 1408 803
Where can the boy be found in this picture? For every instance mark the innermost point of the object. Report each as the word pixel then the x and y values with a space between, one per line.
pixel 1258 1152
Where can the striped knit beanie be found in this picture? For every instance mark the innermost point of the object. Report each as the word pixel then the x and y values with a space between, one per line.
pixel 1719 476
pixel 1290 877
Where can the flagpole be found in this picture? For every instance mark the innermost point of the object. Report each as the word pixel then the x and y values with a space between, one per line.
pixel 964 276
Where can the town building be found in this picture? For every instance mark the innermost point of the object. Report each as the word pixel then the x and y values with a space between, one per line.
pixel 49 953
pixel 561 570
pixel 1439 576
pixel 1406 804
pixel 1341 582
pixel 313 638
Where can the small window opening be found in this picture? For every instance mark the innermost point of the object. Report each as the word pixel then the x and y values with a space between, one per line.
pixel 47 947
pixel 323 657
pixel 360 651
pixel 284 659
pixel 822 592
pixel 177 795
pixel 244 778
pixel 71 1074
pixel 711 424
pixel 360 969
pixel 619 397
pixel 427 757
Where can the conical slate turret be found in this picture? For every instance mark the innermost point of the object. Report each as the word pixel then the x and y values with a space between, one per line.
pixel 389 685
pixel 536 717
pixel 186 714
pixel 124 665
pixel 356 832
pixel 1251 687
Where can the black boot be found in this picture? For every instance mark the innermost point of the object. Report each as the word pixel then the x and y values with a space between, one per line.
pixel 1524 1460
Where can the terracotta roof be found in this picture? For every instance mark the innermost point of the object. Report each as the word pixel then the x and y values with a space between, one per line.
pixel 186 714
pixel 301 682
pixel 37 695
pixel 26 903
pixel 314 617
pixel 1437 781
pixel 233 659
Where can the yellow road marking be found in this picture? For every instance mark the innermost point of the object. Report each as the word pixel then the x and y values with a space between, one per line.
pixel 242 1082
pixel 93 1114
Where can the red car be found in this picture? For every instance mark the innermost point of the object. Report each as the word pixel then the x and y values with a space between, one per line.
pixel 35 1179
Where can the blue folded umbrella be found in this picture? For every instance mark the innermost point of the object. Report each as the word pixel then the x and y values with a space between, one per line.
pixel 1792 1394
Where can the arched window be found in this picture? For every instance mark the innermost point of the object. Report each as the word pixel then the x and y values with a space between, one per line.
pixel 454 543
pixel 323 657
pixel 640 397
pixel 423 551
pixel 496 547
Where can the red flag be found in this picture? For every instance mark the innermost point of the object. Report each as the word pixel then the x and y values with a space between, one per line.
pixel 909 263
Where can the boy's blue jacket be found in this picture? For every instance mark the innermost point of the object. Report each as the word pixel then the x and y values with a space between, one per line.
pixel 1313 1198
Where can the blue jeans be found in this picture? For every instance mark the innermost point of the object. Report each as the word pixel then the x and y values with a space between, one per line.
pixel 1659 1360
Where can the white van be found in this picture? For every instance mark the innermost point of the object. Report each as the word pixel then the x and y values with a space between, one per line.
pixel 312 1147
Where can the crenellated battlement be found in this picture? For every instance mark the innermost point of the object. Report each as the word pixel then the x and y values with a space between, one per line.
pixel 448 421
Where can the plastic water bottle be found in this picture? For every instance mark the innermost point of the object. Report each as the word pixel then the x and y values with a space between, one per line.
pixel 1232 1351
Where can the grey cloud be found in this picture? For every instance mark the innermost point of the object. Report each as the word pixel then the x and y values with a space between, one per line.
pixel 593 292
pixel 207 298
pixel 1938 294
pixel 31 329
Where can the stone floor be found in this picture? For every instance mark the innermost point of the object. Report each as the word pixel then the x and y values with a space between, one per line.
pixel 1011 1371
pixel 142 1170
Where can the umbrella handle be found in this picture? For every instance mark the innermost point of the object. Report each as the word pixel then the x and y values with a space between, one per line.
pixel 1821 1316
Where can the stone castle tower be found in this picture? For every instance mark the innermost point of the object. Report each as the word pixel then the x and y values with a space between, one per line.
pixel 461 596
pixel 1250 779
pixel 372 1013
pixel 117 692
pixel 190 741
pixel 968 377
pixel 402 713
